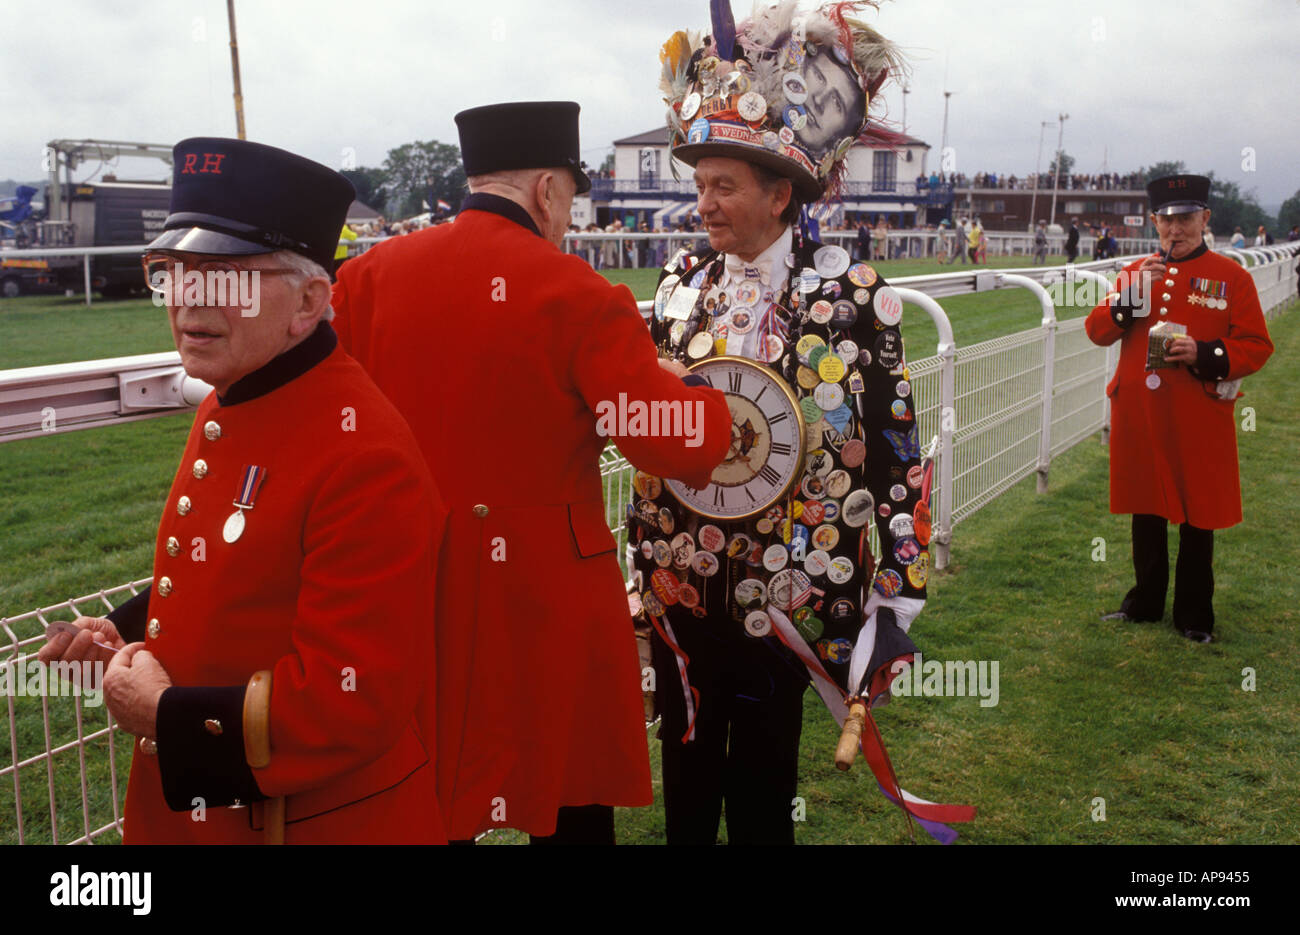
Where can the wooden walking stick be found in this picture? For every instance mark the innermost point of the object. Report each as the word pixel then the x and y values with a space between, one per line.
pixel 851 735
pixel 257 748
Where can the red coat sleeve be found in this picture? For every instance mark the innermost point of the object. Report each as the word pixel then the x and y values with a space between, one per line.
pixel 1247 345
pixel 616 369
pixel 1102 325
pixel 361 634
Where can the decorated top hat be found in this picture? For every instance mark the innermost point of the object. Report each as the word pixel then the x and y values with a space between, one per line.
pixel 788 89
pixel 233 197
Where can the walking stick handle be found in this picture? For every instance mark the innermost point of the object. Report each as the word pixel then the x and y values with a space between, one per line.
pixel 851 736
pixel 257 747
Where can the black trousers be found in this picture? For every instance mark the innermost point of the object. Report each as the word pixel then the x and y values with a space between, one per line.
pixel 747 726
pixel 1193 574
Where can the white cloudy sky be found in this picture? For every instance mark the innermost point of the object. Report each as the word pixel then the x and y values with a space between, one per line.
pixel 1197 80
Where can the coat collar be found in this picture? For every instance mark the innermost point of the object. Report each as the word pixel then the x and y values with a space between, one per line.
pixel 290 365
pixel 495 204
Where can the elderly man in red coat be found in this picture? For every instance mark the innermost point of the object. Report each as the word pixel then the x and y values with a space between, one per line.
pixel 515 365
pixel 298 539
pixel 1190 328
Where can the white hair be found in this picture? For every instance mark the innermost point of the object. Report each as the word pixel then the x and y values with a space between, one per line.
pixel 307 268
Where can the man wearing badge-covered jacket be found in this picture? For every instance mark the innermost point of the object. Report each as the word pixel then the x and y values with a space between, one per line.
pixel 513 361
pixel 299 537
pixel 1173 442
pixel 731 701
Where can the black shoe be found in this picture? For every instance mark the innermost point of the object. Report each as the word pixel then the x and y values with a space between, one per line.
pixel 1198 636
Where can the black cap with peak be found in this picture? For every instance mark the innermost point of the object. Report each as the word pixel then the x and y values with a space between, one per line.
pixel 521 135
pixel 1179 194
pixel 233 198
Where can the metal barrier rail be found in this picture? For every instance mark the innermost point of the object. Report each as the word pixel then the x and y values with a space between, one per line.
pixel 1001 409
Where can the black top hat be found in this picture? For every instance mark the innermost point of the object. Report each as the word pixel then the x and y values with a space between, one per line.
pixel 1179 194
pixel 233 197
pixel 521 135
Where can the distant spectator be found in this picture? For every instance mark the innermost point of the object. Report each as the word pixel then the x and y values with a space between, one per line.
pixel 1238 239
pixel 1040 243
pixel 1072 241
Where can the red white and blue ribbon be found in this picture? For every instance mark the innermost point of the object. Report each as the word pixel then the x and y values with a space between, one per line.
pixel 249 484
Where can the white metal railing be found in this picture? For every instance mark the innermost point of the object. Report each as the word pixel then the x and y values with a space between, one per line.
pixel 1001 409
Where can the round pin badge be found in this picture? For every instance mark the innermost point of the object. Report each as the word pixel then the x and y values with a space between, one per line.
pixel 771 140
pixel 647 549
pixel 690 105
pixel 810 628
pixel 816 354
pixel 809 281
pixel 838 483
pixel 666 521
pixel 794 117
pixel 885 509
pixel 663 292
pixel 663 554
pixel 687 596
pixel 746 292
pixel 857 508
pixel 813 489
pixel 903 388
pixel 853 453
pixel 888 305
pixel 751 593
pixel 664 583
pixel 794 88
pixel 813 511
pixel 897 493
pixel 819 462
pixel 829 396
pixel 806 344
pixel 738 546
pixel 820 312
pixel 752 107
pixel 651 604
pixel 786 135
pixel 830 510
pixel 699 131
pixel 1153 381
pixel 831 369
pixel 843 610
pixel 683 547
pixel 789 589
pixel 844 315
pixel 776 557
pixel 764 526
pixel 647 485
pixel 775 348
pixel 742 321
pixel 889 349
pixel 825 536
pixel 901 526
pixel 860 274
pixel 831 261
pixel 862 296
pixel 831 289
pixel 704 564
pixel 906 550
pixel 864 358
pixel 712 538
pixel 915 476
pixel 835 652
pixel 921 522
pixel 700 347
pixel 775 514
pixel 811 411
pixel 676 331
pixel 817 563
pixel 898 409
pixel 888 582
pixel 919 571
pixel 757 624
pixel 841 570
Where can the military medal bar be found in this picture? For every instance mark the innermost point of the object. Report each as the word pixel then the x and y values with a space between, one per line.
pixel 250 482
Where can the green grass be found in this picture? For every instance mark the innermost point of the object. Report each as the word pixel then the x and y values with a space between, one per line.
pixel 37 330
pixel 1155 725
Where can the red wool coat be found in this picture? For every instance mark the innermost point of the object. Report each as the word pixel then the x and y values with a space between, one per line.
pixel 331 577
pixel 498 349
pixel 1173 442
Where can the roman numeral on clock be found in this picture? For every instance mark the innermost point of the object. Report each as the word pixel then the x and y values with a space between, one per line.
pixel 767 474
pixel 720 497
pixel 779 417
pixel 733 381
pixel 780 448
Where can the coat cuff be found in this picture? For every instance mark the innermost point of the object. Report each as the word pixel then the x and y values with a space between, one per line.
pixel 129 616
pixel 1121 313
pixel 693 379
pixel 201 748
pixel 1211 360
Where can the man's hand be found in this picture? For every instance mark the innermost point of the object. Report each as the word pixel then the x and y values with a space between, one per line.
pixel 81 647
pixel 1181 351
pixel 674 367
pixel 133 684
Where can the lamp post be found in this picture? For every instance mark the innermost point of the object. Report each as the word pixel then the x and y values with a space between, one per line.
pixel 1038 170
pixel 1056 182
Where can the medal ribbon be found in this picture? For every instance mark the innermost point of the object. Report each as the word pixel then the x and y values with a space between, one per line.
pixel 692 694
pixel 250 483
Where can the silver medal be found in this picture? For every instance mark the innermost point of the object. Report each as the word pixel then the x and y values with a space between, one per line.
pixel 234 527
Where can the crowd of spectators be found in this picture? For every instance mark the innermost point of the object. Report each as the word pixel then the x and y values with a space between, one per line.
pixel 1102 182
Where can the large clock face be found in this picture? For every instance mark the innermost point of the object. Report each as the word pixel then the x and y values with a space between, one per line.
pixel 767 438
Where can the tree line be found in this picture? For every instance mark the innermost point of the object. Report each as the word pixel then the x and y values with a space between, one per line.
pixel 413 175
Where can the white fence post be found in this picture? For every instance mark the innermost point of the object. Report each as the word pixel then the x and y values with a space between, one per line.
pixel 1049 359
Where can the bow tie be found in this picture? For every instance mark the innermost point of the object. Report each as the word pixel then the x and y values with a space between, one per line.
pixel 738 270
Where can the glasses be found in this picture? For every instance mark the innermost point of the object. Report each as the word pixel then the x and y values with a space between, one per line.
pixel 163 272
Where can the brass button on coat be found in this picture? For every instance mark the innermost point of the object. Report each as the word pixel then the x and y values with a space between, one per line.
pixel 480 511
pixel 164 586
pixel 200 469
pixel 211 431
pixel 212 726
pixel 173 546
pixel 155 628
pixel 183 505
pixel 148 746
